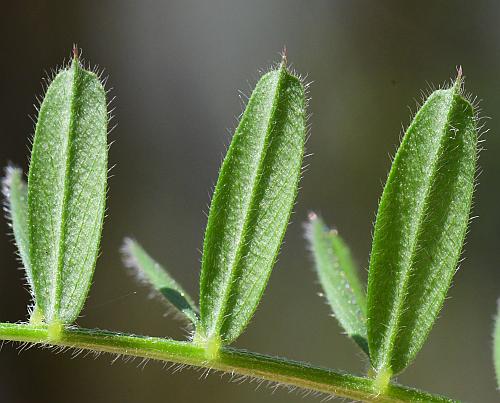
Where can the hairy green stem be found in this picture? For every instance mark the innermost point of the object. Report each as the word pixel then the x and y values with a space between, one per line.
pixel 279 370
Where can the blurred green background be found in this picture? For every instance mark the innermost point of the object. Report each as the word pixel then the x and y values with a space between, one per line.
pixel 175 68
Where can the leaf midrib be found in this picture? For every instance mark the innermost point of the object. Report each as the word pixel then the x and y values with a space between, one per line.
pixel 57 288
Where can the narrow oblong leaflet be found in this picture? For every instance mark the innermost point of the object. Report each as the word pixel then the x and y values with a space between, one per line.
pixel 16 198
pixel 67 191
pixel 420 228
pixel 159 279
pixel 338 276
pixel 251 206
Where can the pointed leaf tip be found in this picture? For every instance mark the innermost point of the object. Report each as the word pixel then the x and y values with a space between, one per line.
pixel 459 81
pixel 284 57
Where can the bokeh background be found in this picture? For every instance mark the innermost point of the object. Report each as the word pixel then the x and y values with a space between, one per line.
pixel 175 68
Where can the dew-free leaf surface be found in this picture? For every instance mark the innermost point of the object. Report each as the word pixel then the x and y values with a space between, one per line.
pixel 251 205
pixel 420 228
pixel 67 191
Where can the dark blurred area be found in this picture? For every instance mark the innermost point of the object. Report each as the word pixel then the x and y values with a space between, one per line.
pixel 175 68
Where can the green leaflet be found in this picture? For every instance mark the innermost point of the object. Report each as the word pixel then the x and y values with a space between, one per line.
pixel 251 206
pixel 420 228
pixel 16 199
pixel 67 192
pixel 496 345
pixel 338 275
pixel 159 279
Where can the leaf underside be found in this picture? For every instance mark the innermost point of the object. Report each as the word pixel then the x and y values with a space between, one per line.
pixel 338 275
pixel 67 191
pixel 159 279
pixel 251 205
pixel 16 198
pixel 420 228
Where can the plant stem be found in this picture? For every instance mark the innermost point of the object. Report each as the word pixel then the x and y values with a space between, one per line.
pixel 279 370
